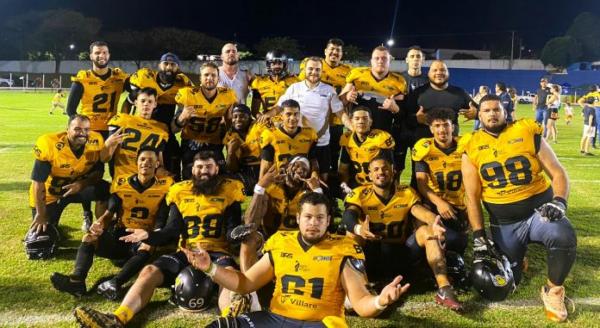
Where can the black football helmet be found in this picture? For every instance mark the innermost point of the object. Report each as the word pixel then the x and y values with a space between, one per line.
pixel 457 271
pixel 43 245
pixel 193 290
pixel 492 276
pixel 276 56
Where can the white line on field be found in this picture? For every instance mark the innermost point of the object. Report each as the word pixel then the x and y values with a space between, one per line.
pixel 584 181
pixel 15 318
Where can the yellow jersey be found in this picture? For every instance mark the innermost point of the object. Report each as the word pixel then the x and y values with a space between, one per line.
pixel 57 98
pixel 249 151
pixel 595 95
pixel 387 219
pixel 66 167
pixel 360 154
pixel 270 90
pixel 308 278
pixel 335 76
pixel 443 169
pixel 100 97
pixel 508 168
pixel 139 210
pixel 139 133
pixel 203 215
pixel 148 78
pixel 285 147
pixel 205 125
pixel 282 208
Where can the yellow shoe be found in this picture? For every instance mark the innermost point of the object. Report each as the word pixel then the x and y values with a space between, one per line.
pixel 239 304
pixel 554 303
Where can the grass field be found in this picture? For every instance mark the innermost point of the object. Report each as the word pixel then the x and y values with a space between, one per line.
pixel 27 298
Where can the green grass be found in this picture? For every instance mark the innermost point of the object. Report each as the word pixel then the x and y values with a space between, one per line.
pixel 25 290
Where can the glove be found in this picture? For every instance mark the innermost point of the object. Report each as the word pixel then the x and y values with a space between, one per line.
pixel 554 210
pixel 483 247
pixel 345 188
pixel 242 231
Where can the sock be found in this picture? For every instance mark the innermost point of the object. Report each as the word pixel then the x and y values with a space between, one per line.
pixel 132 266
pixel 83 261
pixel 124 314
pixel 87 206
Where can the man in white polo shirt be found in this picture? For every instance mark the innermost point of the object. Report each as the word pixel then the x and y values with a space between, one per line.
pixel 317 100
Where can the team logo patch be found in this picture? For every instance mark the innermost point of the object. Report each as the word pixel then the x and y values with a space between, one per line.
pixel 499 281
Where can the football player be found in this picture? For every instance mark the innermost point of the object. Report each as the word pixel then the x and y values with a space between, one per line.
pixel 167 81
pixel 57 101
pixel 334 72
pixel 231 75
pixel 139 131
pixel 377 215
pixel 67 169
pixel 377 88
pixel 203 211
pixel 313 272
pixel 287 140
pixel 202 117
pixel 266 89
pixel 524 188
pixel 138 200
pixel 439 179
pixel 99 91
pixel 360 146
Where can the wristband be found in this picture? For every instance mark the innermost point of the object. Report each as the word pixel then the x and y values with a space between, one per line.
pixel 377 305
pixel 211 271
pixel 259 190
pixel 357 229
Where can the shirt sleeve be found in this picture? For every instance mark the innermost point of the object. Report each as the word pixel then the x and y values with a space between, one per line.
pixel 74 97
pixel 41 171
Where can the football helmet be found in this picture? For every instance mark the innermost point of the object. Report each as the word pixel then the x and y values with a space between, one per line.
pixel 274 56
pixel 492 276
pixel 41 246
pixel 193 290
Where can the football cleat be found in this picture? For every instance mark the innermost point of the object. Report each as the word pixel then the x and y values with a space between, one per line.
pixel 554 303
pixel 110 290
pixel 446 297
pixel 242 231
pixel 90 318
pixel 64 284
pixel 238 304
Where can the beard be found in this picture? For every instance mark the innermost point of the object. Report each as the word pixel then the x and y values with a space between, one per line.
pixel 209 186
pixel 97 64
pixel 384 185
pixel 494 129
pixel 167 77
pixel 439 85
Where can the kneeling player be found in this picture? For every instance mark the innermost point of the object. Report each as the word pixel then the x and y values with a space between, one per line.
pixel 379 215
pixel 139 202
pixel 203 211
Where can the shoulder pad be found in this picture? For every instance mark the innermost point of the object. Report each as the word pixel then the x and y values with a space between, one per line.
pixel 357 264
pixel 421 149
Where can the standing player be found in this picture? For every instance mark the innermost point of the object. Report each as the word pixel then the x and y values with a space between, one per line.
pixel 203 116
pixel 57 101
pixel 378 215
pixel 539 104
pixel 138 200
pixel 203 211
pixel 231 75
pixel 439 180
pixel 167 81
pixel 506 166
pixel 414 75
pixel 334 73
pixel 99 91
pixel 67 169
pixel 360 146
pixel 138 132
pixel 266 89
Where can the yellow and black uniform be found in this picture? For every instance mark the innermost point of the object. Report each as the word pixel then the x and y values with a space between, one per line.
pixel 443 168
pixel 374 92
pixel 139 133
pixel 57 165
pixel 509 170
pixel 282 208
pixel 249 151
pixel 56 99
pixel 358 154
pixel 388 218
pixel 99 96
pixel 148 78
pixel 268 90
pixel 139 207
pixel 280 147
pixel 308 278
pixel 199 220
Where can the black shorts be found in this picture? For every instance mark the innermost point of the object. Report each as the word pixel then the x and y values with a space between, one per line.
pixel 171 264
pixel 264 319
pixel 384 261
pixel 335 133
pixel 98 192
pixel 110 247
pixel 323 154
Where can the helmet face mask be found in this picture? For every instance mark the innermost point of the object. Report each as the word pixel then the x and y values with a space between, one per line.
pixel 493 278
pixel 280 59
pixel 193 290
pixel 43 245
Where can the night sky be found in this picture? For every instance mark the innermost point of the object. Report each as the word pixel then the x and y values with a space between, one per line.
pixel 432 24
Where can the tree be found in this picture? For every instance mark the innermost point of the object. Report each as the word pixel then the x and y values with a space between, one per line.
pixel 289 46
pixel 353 53
pixel 585 30
pixel 131 45
pixel 561 51
pixel 53 32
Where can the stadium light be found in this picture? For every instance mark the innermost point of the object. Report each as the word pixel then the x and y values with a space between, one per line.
pixel 72 46
pixel 390 42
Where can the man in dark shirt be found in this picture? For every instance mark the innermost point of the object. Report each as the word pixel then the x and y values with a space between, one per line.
pixel 539 103
pixel 506 101
pixel 414 75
